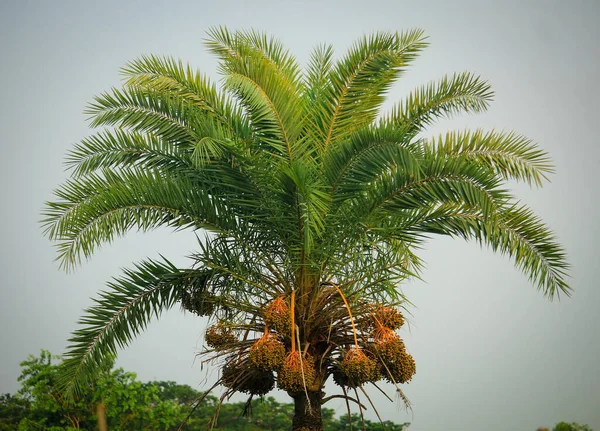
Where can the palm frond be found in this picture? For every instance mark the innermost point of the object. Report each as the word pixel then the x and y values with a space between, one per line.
pixel 265 79
pixel 120 314
pixel 317 87
pixel 442 181
pixel 228 44
pixel 462 92
pixel 121 148
pixel 535 249
pixel 169 76
pixel 143 111
pixel 272 49
pixel 360 80
pixel 367 153
pixel 95 209
pixel 517 232
pixel 508 154
pixel 249 265
pixel 371 267
pixel 308 199
pixel 264 113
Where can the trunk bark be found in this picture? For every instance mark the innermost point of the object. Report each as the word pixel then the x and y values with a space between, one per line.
pixel 307 412
pixel 101 413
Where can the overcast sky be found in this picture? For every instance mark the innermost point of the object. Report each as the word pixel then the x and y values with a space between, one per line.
pixel 492 353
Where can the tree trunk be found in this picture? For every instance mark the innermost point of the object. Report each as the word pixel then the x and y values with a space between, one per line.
pixel 307 412
pixel 101 413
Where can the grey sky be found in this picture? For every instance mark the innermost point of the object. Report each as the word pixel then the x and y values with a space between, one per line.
pixel 491 352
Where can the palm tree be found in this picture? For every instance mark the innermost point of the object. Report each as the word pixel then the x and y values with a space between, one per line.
pixel 312 205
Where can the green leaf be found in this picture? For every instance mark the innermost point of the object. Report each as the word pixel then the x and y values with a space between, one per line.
pixel 462 92
pixel 98 208
pixel 360 80
pixel 119 315
pixel 507 154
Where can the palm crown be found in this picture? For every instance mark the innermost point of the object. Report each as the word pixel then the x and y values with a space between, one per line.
pixel 313 202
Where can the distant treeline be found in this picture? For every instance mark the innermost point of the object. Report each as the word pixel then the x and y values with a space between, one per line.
pixel 132 405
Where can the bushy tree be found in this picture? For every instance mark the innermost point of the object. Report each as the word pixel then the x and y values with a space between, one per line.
pixel 12 410
pixel 48 406
pixel 347 423
pixel 574 426
pixel 130 404
pixel 315 204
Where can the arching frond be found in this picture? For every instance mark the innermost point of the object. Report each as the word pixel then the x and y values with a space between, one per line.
pixel 265 79
pixel 120 148
pixel 534 248
pixel 442 181
pixel 360 80
pixel 94 210
pixel 114 149
pixel 387 207
pixel 462 92
pixel 369 152
pixel 263 112
pixel 517 232
pixel 508 154
pixel 142 111
pixel 121 314
pixel 169 76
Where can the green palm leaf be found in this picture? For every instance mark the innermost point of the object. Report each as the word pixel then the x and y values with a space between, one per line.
pixel 518 233
pixel 367 153
pixel 122 313
pixel 268 86
pixel 98 208
pixel 442 181
pixel 507 154
pixel 120 148
pixel 360 80
pixel 462 92
pixel 144 111
pixel 164 75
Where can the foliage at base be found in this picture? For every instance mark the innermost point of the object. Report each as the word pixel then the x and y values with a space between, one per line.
pixel 133 405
